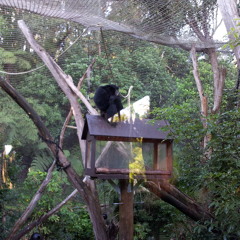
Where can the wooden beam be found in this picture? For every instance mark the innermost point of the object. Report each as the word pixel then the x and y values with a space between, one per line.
pixel 127 171
pixel 125 211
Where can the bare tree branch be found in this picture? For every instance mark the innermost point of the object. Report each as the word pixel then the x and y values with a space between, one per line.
pixel 86 193
pixel 85 75
pixel 203 102
pixel 70 83
pixel 33 203
pixel 173 196
pixel 64 81
pixel 219 75
pixel 40 191
pixel 87 190
pixel 203 98
pixel 193 24
pixel 69 116
pixel 205 19
pixel 230 14
pixel 31 225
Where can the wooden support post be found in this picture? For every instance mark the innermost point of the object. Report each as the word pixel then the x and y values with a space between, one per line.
pixel 125 211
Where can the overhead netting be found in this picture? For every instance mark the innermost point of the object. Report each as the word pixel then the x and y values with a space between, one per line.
pixel 94 28
pixel 124 36
pixel 167 22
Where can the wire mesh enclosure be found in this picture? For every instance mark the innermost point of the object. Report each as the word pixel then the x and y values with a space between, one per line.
pixel 138 149
pixel 164 22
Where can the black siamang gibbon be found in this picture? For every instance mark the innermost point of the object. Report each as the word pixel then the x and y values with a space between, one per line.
pixel 108 101
pixel 36 236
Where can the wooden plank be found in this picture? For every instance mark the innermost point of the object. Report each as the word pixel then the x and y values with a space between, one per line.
pixel 127 171
pixel 125 212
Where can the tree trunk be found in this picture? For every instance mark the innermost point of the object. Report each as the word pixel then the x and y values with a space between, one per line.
pixel 86 191
pixel 125 211
pixel 176 198
pixel 66 84
pixel 230 15
pixel 219 75
pixel 203 100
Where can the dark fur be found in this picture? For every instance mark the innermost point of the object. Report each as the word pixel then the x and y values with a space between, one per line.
pixel 36 236
pixel 108 101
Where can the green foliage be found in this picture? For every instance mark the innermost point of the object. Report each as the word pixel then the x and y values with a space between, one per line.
pixel 222 174
pixel 7 57
pixel 17 129
pixel 234 41
pixel 186 128
pixel 71 222
pixel 215 183
pixel 219 178
pixel 152 71
pixel 144 68
pixel 155 218
pixel 164 74
pixel 15 59
pixel 41 161
pixel 141 231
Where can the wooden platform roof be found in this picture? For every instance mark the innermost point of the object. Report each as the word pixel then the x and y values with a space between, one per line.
pixel 145 128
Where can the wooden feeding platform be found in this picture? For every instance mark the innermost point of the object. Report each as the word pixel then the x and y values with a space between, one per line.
pixel 139 149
